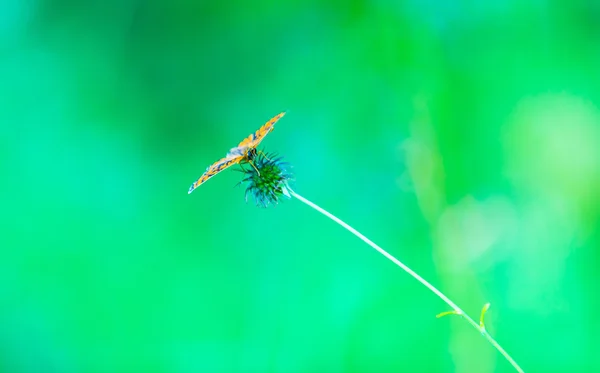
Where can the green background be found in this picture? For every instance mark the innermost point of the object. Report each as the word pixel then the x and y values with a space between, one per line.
pixel 463 137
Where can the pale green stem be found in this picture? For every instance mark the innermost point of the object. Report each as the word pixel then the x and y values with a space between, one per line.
pixel 456 309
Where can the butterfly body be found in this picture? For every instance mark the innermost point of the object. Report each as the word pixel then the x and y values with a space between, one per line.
pixel 244 152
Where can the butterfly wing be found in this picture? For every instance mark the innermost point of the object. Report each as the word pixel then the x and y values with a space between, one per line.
pixel 255 138
pixel 214 169
pixel 237 154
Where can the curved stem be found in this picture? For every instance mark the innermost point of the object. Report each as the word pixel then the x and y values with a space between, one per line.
pixel 441 295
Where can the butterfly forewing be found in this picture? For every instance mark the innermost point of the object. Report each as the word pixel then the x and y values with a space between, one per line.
pixel 214 169
pixel 255 138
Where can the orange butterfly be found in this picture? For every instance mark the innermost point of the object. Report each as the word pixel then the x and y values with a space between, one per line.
pixel 244 152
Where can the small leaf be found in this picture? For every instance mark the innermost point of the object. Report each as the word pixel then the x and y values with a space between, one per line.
pixel 453 312
pixel 485 308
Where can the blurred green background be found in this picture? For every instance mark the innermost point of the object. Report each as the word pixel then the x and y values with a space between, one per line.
pixel 463 137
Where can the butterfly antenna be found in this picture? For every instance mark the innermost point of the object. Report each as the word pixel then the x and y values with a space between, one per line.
pixel 264 155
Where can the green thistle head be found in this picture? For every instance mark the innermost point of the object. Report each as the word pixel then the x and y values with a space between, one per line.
pixel 268 180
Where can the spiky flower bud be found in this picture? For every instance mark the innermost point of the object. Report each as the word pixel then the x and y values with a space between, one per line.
pixel 268 180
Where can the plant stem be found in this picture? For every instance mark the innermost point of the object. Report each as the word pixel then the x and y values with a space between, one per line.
pixel 457 310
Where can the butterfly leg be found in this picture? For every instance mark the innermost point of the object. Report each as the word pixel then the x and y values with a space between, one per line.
pixel 253 166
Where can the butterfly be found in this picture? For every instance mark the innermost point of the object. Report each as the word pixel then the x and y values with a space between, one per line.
pixel 244 152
